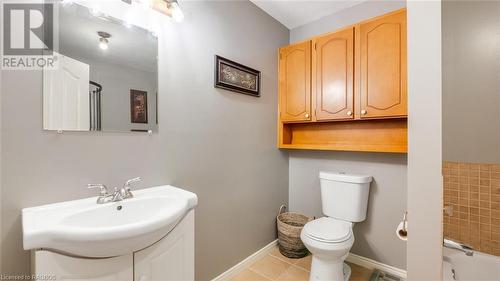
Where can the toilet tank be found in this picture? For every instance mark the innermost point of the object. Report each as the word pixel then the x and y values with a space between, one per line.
pixel 344 196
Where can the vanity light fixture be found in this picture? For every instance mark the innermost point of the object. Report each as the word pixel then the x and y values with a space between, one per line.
pixel 170 8
pixel 103 39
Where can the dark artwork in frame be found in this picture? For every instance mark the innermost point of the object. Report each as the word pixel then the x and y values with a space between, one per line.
pixel 138 106
pixel 232 76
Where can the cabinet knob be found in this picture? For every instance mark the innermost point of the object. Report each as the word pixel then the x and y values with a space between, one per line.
pixel 364 111
pixel 307 115
pixel 349 113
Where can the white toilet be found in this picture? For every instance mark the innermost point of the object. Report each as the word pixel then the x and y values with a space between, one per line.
pixel 344 200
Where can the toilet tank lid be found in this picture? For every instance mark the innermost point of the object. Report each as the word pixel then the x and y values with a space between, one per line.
pixel 343 177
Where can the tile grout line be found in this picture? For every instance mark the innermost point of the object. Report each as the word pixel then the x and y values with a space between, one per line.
pixel 282 259
pixel 260 274
pixel 292 264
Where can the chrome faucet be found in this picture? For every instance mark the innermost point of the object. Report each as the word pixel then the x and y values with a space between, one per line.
pixel 104 195
pixel 458 246
pixel 124 192
pixel 118 195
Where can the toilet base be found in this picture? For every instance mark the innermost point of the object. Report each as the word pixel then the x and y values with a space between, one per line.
pixel 347 272
pixel 328 270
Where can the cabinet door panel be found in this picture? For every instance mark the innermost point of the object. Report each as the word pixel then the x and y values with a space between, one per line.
pixel 295 82
pixel 65 268
pixel 383 67
pixel 170 259
pixel 333 72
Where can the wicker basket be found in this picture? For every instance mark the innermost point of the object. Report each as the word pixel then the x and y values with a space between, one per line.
pixel 289 227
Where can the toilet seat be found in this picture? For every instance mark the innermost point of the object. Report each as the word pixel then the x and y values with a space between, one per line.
pixel 328 230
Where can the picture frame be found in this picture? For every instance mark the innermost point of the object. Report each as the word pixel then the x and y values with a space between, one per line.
pixel 138 106
pixel 233 76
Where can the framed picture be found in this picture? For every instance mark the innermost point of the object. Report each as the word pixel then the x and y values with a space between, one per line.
pixel 236 77
pixel 138 106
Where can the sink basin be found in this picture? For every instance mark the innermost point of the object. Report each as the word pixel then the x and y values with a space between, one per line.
pixel 87 229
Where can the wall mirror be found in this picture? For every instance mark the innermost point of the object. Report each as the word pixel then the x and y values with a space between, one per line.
pixel 107 75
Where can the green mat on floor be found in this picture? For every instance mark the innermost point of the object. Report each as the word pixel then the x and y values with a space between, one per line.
pixel 378 275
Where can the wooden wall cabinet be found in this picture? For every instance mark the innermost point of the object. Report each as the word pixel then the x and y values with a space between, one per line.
pixel 346 90
pixel 295 82
pixel 333 76
pixel 383 67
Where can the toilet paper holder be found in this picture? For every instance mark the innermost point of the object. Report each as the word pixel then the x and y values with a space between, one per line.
pixel 404 230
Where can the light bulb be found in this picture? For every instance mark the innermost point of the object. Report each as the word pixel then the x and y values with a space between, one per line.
pixel 103 43
pixel 177 13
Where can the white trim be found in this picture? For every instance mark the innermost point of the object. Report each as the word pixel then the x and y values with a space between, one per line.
pixel 371 264
pixel 230 273
pixel 424 195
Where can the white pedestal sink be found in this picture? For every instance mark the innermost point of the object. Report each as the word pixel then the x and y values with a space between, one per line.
pixel 87 231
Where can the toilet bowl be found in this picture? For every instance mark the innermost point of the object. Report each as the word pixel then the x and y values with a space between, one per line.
pixel 329 239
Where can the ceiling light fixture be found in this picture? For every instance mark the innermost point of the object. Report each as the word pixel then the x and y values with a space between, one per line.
pixel 103 39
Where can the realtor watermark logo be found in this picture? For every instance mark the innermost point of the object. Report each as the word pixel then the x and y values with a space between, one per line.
pixel 28 35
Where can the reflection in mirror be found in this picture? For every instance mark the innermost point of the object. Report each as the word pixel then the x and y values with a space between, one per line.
pixel 106 79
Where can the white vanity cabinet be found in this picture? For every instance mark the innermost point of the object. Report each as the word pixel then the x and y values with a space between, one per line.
pixel 52 266
pixel 171 258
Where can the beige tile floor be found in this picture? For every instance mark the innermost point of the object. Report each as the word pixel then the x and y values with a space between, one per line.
pixel 276 267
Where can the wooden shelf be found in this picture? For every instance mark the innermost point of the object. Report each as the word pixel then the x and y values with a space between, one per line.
pixel 388 135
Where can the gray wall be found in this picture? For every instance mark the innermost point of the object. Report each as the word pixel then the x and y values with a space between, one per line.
pixel 471 81
pixel 375 237
pixel 219 144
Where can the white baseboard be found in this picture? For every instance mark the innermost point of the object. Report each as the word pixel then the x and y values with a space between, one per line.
pixel 352 258
pixel 233 271
pixel 371 264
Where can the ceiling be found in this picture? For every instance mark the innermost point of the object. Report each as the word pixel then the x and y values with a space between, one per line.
pixel 128 46
pixel 294 13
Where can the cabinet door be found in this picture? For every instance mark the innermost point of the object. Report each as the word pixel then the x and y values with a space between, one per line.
pixel 333 71
pixel 295 82
pixel 65 268
pixel 383 67
pixel 171 258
